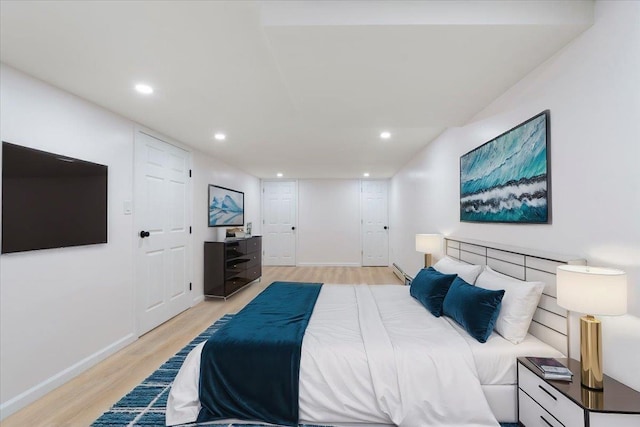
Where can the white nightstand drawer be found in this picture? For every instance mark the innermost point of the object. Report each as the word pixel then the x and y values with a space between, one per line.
pixel 530 414
pixel 566 411
pixel 599 419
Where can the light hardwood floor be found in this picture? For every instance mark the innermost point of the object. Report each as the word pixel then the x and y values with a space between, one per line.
pixel 83 399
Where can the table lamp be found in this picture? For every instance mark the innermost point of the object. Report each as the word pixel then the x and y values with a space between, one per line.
pixel 428 244
pixel 592 290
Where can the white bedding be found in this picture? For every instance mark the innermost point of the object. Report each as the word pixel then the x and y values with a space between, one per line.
pixel 374 355
pixel 496 359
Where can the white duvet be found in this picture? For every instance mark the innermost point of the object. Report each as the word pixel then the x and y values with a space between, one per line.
pixel 371 355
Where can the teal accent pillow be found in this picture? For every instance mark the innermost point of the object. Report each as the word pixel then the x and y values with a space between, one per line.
pixel 475 309
pixel 430 287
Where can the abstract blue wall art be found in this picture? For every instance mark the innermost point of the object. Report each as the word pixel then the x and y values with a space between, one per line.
pixel 226 207
pixel 507 179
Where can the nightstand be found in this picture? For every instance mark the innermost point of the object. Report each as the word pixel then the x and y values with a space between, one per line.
pixel 548 403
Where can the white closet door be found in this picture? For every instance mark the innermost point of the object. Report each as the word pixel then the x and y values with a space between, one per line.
pixel 279 209
pixel 162 213
pixel 375 220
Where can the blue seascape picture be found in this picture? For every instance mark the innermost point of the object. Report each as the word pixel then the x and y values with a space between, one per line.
pixel 226 207
pixel 507 178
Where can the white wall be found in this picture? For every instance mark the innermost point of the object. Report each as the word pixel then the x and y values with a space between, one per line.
pixel 63 310
pixel 592 90
pixel 329 231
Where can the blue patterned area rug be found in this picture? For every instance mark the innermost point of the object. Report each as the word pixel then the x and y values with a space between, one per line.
pixel 146 404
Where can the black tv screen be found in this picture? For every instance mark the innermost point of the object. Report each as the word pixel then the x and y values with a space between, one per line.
pixel 50 200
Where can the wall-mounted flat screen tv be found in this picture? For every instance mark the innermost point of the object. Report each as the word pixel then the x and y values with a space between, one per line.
pixel 50 200
pixel 508 178
pixel 226 207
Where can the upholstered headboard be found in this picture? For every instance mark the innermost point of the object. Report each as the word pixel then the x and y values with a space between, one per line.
pixel 550 320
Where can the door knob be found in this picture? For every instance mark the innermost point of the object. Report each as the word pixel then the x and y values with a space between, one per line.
pixel 386 228
pixel 144 234
pixel 293 228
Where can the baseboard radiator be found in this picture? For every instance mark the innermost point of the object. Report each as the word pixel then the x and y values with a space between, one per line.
pixel 406 279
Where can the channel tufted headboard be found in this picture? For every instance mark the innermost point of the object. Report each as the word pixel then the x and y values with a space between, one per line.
pixel 550 320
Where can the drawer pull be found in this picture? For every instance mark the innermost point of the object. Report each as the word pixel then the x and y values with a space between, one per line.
pixel 546 422
pixel 549 393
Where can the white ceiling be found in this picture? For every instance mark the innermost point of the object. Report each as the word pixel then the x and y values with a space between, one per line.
pixel 303 88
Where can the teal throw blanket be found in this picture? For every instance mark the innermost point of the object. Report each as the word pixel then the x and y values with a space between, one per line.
pixel 250 368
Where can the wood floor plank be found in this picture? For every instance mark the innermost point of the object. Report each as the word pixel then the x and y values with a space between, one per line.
pixel 83 399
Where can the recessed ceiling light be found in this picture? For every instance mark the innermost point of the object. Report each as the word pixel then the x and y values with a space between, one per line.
pixel 144 89
pixel 279 174
pixel 366 174
pixel 220 136
pixel 385 135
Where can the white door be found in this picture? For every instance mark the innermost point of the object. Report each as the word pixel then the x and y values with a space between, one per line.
pixel 279 216
pixel 163 258
pixel 375 222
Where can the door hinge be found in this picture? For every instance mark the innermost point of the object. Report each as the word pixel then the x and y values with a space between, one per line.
pixel 189 173
pixel 190 285
pixel 190 230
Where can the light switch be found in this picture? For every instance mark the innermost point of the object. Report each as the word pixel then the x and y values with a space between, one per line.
pixel 127 207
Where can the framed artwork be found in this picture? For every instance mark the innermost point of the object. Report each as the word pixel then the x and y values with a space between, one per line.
pixel 507 179
pixel 226 207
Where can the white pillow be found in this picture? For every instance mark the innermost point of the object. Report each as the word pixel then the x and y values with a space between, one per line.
pixel 518 304
pixel 467 272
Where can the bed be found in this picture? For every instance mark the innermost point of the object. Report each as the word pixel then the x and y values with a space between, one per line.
pixel 372 355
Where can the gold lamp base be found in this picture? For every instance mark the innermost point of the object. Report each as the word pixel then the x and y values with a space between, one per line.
pixel 592 399
pixel 591 352
pixel 427 260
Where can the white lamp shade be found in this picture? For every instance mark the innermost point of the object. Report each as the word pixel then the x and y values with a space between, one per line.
pixel 428 243
pixel 592 290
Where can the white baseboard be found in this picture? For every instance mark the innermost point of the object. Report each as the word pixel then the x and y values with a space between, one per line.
pixel 34 393
pixel 329 264
pixel 197 300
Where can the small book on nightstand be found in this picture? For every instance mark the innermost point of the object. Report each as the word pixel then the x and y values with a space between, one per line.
pixel 551 369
